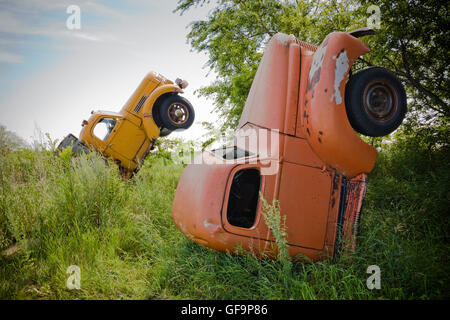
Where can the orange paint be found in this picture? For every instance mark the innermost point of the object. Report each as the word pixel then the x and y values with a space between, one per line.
pixel 321 163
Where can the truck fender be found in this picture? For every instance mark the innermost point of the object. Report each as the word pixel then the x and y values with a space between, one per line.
pixel 325 123
pixel 150 127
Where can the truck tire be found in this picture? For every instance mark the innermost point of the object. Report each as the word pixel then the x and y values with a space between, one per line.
pixel 375 102
pixel 176 113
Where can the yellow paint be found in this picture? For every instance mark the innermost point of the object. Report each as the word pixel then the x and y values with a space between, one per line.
pixel 135 130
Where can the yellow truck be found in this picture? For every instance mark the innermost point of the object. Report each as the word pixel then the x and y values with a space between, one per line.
pixel 155 109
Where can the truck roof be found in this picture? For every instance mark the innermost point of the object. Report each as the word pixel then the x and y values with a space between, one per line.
pixel 272 100
pixel 109 113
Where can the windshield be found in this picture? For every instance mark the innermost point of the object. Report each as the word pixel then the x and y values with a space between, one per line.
pixel 232 152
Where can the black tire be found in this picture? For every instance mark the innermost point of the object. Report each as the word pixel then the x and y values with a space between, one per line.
pixel 168 109
pixel 375 102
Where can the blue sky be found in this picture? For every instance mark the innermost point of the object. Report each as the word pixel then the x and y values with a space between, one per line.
pixel 52 77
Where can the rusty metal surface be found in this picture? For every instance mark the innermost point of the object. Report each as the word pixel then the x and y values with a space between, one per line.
pixel 325 123
pixel 77 146
pixel 201 200
pixel 306 45
pixel 348 226
pixel 321 162
pixel 272 100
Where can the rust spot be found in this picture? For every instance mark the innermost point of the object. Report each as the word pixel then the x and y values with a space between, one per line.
pixel 335 183
pixel 309 133
pixel 326 90
pixel 147 115
pixel 319 140
pixel 316 67
pixel 333 202
pixel 314 79
pixel 320 132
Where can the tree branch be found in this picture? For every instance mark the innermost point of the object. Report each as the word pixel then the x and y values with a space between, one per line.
pixel 419 86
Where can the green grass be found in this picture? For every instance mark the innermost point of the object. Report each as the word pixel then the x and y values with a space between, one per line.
pixel 77 211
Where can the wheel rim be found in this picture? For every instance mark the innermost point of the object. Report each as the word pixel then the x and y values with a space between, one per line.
pixel 178 113
pixel 380 101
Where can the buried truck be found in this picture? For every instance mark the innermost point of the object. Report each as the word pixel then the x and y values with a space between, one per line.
pixel 154 110
pixel 295 143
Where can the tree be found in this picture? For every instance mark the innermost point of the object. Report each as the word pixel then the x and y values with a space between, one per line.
pixel 9 141
pixel 412 42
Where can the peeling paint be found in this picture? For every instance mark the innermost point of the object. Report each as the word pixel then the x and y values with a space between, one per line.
pixel 285 38
pixel 339 74
pixel 316 66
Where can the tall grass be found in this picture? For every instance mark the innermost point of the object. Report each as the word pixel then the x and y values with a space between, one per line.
pixel 64 211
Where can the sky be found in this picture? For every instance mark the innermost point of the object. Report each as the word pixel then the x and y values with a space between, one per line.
pixel 51 77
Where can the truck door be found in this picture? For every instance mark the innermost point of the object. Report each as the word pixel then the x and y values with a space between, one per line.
pixel 241 209
pixel 126 141
pixel 102 132
pixel 304 196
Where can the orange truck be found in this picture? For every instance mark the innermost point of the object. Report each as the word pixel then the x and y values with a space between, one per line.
pixel 313 163
pixel 155 109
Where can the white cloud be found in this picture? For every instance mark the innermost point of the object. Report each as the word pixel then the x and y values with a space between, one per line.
pixel 101 10
pixel 29 17
pixel 100 67
pixel 86 36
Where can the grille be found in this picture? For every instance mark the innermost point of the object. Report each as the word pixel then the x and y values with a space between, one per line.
pixel 140 103
pixel 306 45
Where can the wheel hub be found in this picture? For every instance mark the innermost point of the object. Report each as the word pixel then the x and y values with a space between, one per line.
pixel 380 101
pixel 178 113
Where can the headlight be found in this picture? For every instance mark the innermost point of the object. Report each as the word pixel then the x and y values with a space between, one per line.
pixel 181 83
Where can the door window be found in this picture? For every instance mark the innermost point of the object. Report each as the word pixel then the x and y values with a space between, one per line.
pixel 104 128
pixel 243 199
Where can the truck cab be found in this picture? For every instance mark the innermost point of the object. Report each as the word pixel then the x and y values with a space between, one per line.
pixel 295 144
pixel 155 109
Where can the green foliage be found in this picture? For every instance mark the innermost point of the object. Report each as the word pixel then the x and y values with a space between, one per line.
pixel 412 42
pixel 63 211
pixel 406 209
pixel 277 225
pixel 236 32
pixel 60 211
pixel 69 210
pixel 9 141
pixel 176 150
